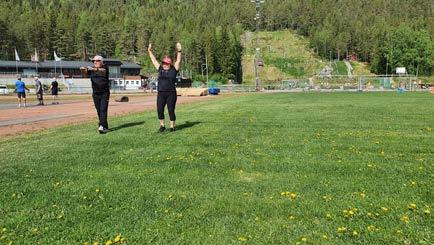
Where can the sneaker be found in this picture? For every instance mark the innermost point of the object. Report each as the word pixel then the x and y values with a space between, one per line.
pixel 172 129
pixel 162 128
pixel 101 129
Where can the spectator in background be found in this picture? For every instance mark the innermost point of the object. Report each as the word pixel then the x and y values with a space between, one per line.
pixel 39 91
pixel 54 91
pixel 20 88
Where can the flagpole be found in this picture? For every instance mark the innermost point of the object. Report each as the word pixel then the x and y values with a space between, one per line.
pixel 17 58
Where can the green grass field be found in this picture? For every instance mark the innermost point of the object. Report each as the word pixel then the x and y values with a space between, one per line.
pixel 329 168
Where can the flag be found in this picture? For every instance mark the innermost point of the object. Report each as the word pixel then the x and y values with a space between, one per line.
pixel 56 58
pixel 17 58
pixel 35 57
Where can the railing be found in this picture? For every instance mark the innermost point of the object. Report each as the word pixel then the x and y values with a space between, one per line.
pixel 12 75
pixel 336 83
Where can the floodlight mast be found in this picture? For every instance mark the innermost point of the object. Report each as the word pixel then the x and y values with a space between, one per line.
pixel 257 49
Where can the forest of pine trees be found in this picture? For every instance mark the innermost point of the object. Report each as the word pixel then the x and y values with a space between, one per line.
pixel 385 33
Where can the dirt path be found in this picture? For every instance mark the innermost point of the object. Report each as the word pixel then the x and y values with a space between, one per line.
pixel 14 120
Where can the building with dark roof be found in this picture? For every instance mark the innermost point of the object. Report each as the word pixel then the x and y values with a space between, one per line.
pixel 69 69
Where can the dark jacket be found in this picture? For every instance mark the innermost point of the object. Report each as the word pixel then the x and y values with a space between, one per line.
pixel 100 80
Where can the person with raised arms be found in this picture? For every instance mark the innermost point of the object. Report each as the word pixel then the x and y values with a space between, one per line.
pixel 167 73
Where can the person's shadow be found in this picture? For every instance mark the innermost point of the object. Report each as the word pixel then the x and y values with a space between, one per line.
pixel 127 125
pixel 185 125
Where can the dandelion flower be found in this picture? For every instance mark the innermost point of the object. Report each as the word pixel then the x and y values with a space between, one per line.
pixel 242 239
pixel 405 219
pixel 325 237
pixel 342 229
pixel 118 238
pixel 412 206
pixel 427 211
pixel 304 239
pixel 109 242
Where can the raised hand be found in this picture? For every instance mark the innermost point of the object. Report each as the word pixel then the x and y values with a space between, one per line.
pixel 150 47
pixel 178 47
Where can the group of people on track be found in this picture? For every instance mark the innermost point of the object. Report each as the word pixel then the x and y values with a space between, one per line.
pixel 21 88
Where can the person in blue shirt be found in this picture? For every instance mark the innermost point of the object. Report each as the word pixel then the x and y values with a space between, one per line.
pixel 21 88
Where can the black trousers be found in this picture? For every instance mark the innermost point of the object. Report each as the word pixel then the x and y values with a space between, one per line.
pixel 101 101
pixel 39 96
pixel 169 99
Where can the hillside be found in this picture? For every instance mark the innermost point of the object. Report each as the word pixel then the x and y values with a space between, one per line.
pixel 287 55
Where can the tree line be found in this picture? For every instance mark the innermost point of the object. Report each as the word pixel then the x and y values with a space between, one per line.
pixel 385 33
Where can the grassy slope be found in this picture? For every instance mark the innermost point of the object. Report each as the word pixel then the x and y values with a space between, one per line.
pixel 286 55
pixel 264 168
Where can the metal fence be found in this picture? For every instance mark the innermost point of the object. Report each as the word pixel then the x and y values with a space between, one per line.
pixel 336 83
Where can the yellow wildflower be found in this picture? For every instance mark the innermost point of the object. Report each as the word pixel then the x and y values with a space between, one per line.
pixel 412 206
pixel 427 211
pixel 242 239
pixel 291 195
pixel 304 239
pixel 325 237
pixel 372 228
pixel 355 233
pixel 342 229
pixel 385 209
pixel 118 238
pixel 327 198
pixel 405 219
pixel 109 242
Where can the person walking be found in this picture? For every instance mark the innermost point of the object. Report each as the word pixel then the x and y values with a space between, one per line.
pixel 39 91
pixel 54 91
pixel 167 73
pixel 21 88
pixel 99 76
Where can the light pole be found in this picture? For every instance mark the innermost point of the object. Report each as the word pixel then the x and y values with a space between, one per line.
pixel 255 60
